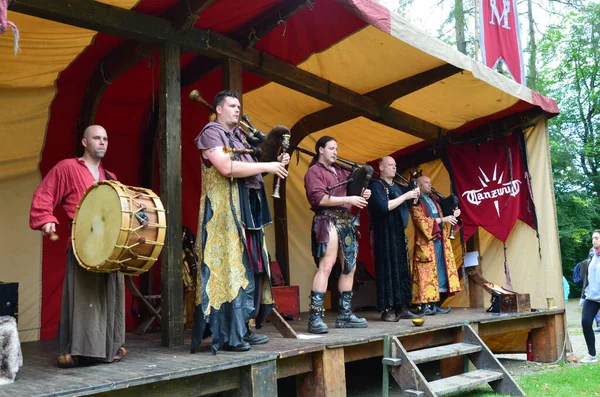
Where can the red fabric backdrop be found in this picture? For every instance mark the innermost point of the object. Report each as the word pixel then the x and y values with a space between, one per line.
pixel 127 103
pixel 491 185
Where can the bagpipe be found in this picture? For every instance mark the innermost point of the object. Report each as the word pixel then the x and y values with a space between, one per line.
pixel 362 174
pixel 357 181
pixel 264 147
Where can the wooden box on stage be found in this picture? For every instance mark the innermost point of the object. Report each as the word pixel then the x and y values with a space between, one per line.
pixel 287 301
pixel 515 303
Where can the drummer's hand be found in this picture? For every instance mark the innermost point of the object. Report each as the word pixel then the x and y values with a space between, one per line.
pixel 357 201
pixel 366 194
pixel 48 228
pixel 456 213
pixel 278 169
pixel 284 158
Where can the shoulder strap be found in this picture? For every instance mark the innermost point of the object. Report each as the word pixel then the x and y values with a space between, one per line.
pixel 107 176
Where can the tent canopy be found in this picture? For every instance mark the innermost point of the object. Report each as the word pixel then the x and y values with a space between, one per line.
pixel 345 68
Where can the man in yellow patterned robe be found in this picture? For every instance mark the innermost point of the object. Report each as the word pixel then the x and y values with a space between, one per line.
pixel 434 268
pixel 233 281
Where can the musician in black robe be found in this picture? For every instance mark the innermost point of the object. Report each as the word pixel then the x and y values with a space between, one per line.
pixel 388 207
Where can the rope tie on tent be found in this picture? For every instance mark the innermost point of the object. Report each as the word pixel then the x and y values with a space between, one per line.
pixel 252 37
pixel 107 82
pixel 281 20
pixel 4 23
pixel 506 269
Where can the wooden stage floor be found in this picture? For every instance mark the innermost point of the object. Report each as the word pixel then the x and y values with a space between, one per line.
pixel 150 369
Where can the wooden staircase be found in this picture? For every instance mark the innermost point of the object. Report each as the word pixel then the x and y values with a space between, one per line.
pixel 404 368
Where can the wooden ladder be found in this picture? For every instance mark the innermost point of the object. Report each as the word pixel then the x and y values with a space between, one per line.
pixel 403 367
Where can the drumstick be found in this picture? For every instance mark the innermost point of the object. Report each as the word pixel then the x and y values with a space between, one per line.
pixel 53 236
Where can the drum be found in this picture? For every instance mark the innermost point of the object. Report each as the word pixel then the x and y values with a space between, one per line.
pixel 118 229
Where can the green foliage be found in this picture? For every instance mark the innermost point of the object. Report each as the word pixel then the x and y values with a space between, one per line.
pixel 570 55
pixel 568 380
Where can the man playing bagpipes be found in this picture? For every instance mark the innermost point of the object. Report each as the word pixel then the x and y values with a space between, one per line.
pixel 233 277
pixel 333 234
pixel 434 268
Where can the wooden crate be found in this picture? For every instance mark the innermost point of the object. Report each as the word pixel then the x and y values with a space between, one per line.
pixel 287 301
pixel 515 303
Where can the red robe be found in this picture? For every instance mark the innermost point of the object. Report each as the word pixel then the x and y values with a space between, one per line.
pixel 424 269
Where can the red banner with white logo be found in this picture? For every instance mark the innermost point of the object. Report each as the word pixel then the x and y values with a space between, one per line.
pixel 499 23
pixel 492 186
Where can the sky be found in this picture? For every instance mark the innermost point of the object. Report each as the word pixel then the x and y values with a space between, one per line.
pixel 429 15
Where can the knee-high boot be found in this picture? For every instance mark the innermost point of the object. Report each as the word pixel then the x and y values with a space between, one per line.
pixel 315 320
pixel 345 317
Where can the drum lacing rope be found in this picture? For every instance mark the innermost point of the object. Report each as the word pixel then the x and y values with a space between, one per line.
pixel 4 23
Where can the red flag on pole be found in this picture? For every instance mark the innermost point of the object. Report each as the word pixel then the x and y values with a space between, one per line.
pixel 500 39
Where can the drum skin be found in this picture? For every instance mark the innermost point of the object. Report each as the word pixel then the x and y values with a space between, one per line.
pixel 118 228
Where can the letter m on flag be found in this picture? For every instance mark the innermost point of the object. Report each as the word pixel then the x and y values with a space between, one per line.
pixel 499 40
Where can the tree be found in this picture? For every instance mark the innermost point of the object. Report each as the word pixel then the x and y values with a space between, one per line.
pixel 570 57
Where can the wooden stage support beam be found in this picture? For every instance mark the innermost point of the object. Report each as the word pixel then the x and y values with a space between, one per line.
pixel 548 342
pixel 328 377
pixel 170 193
pixel 257 380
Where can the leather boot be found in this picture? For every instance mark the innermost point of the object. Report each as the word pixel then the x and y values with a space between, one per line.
pixel 389 316
pixel 402 312
pixel 345 317
pixel 315 319
pixel 438 310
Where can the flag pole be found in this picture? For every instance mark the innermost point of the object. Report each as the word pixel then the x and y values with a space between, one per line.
pixel 476 42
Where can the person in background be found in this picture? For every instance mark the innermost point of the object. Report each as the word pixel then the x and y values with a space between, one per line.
pixel 590 298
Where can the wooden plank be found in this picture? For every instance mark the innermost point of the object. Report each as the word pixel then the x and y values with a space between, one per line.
pixel 547 342
pixel 428 339
pixel 270 20
pixel 231 76
pixel 464 381
pixel 408 376
pixel 512 325
pixel 485 359
pixel 258 380
pixel 184 14
pixel 213 382
pixel 442 352
pixel 105 18
pixel 170 187
pixel 328 378
pixel 282 326
pixel 295 365
pixel 363 351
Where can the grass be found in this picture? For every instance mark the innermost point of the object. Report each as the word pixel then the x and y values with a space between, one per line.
pixel 571 381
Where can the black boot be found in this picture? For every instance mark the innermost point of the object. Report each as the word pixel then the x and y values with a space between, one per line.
pixel 254 339
pixel 402 312
pixel 389 316
pixel 345 317
pixel 315 320
pixel 438 310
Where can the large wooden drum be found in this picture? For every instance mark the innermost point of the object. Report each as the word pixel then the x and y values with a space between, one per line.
pixel 118 228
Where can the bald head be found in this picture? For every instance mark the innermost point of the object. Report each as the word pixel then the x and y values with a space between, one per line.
pixel 424 183
pixel 95 142
pixel 387 168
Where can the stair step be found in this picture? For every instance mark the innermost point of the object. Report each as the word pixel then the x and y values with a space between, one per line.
pixel 464 381
pixel 442 352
